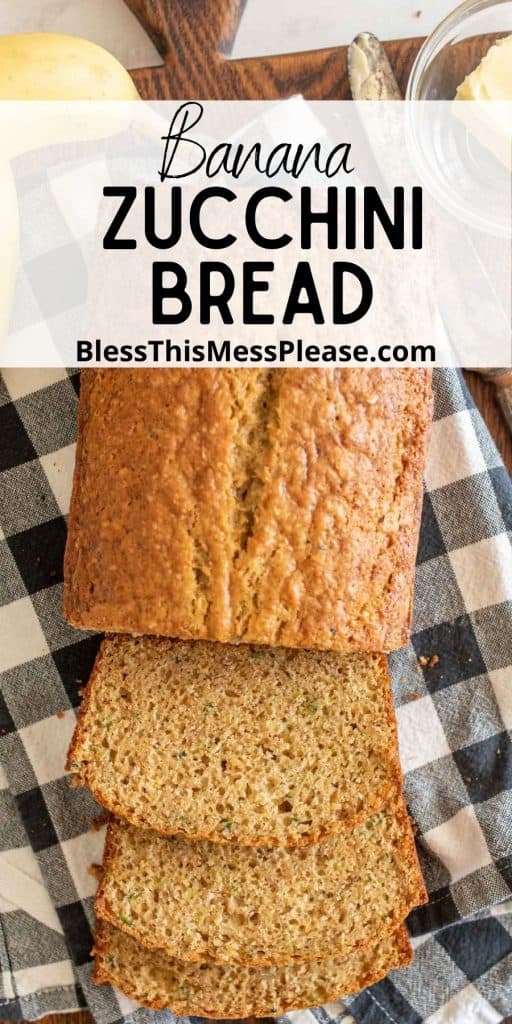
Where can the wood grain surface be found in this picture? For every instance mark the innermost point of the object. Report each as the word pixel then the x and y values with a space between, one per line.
pixel 485 397
pixel 193 37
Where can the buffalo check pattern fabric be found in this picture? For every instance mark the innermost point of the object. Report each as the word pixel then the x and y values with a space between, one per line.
pixel 453 697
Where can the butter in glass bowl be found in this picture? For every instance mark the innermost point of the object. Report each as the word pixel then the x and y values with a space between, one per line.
pixel 457 48
pixel 492 78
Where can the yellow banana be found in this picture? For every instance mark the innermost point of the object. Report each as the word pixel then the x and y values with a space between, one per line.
pixel 47 66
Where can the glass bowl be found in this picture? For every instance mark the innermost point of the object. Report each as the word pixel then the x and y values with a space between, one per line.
pixel 472 187
pixel 463 176
pixel 456 46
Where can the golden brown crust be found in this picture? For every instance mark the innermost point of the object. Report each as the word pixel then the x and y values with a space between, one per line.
pixel 86 774
pixel 128 983
pixel 73 756
pixel 185 478
pixel 414 896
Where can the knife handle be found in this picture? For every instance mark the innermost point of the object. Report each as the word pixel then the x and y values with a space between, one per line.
pixel 502 380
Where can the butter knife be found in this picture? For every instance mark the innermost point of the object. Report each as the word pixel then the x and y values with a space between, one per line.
pixel 371 77
pixel 370 73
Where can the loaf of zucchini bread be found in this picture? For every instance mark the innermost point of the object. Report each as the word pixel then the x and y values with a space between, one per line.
pixel 269 506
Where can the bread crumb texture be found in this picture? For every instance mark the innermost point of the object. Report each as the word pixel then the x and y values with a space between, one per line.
pixel 239 744
pixel 262 907
pixel 210 990
pixel 270 506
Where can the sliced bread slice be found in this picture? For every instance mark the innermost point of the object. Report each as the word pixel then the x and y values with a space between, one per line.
pixel 210 990
pixel 233 904
pixel 250 745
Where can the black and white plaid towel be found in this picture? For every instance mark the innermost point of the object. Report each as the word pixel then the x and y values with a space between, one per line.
pixel 453 691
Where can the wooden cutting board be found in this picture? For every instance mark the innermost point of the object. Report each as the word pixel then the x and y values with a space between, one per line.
pixel 195 36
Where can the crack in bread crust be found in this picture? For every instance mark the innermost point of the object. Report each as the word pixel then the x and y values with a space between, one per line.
pixel 270 506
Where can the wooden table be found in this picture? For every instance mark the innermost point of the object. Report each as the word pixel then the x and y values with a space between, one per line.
pixel 484 396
